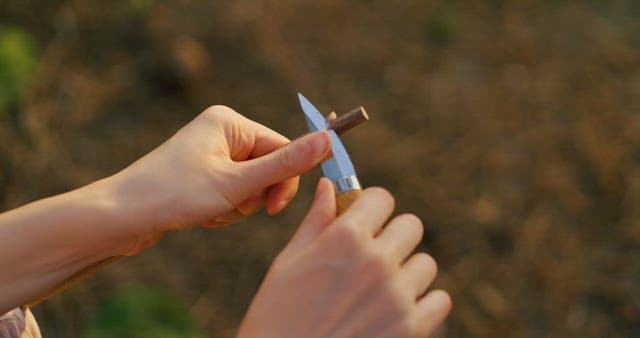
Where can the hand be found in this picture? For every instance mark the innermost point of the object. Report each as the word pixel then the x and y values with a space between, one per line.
pixel 349 276
pixel 214 171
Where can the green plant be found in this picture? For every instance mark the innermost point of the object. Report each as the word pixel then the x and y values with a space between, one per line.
pixel 18 60
pixel 440 27
pixel 140 312
pixel 141 7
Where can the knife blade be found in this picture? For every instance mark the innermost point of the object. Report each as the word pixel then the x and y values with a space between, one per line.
pixel 339 168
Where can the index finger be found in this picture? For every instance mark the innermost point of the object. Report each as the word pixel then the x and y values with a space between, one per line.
pixel 370 211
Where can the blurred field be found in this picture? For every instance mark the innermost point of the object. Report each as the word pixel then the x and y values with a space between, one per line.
pixel 512 128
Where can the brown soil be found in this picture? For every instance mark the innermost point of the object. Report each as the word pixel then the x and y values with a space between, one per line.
pixel 511 128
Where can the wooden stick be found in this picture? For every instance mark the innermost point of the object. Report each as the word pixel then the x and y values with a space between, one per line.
pixel 347 121
pixel 340 124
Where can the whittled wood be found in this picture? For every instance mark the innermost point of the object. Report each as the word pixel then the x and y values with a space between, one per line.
pixel 340 124
pixel 347 120
pixel 345 199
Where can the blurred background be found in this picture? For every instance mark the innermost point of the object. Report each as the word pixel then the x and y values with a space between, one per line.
pixel 512 128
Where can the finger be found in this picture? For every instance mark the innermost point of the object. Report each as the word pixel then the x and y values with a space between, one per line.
pixel 248 139
pixel 432 310
pixel 290 161
pixel 371 210
pixel 280 194
pixel 266 140
pixel 252 204
pixel 320 215
pixel 418 273
pixel 401 236
pixel 232 216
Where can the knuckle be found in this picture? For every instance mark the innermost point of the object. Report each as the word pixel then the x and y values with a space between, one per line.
pixel 412 224
pixel 427 262
pixel 381 196
pixel 447 303
pixel 378 266
pixel 287 159
pixel 349 234
pixel 410 218
pixel 439 308
pixel 217 110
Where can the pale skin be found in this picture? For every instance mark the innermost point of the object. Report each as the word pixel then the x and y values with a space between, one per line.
pixel 348 276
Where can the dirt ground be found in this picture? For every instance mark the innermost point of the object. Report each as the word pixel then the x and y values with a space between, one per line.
pixel 512 128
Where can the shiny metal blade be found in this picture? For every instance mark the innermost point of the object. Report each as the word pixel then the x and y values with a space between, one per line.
pixel 315 120
pixel 339 167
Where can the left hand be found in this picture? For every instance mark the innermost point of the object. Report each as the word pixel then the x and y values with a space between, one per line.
pixel 214 171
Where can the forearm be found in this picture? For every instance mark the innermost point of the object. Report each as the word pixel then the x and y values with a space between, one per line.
pixel 214 171
pixel 44 243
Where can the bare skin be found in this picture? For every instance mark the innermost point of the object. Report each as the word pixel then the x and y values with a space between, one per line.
pixel 349 276
pixel 216 170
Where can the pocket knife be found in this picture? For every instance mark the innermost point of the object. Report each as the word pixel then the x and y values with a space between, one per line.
pixel 338 168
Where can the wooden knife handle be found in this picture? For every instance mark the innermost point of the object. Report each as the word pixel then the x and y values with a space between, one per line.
pixel 345 199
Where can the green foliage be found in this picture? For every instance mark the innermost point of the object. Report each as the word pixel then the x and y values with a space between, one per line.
pixel 18 60
pixel 141 312
pixel 440 27
pixel 141 7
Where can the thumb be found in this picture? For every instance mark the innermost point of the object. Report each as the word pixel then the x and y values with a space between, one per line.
pixel 320 215
pixel 289 161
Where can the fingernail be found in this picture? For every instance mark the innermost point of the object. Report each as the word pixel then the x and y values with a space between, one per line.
pixel 281 205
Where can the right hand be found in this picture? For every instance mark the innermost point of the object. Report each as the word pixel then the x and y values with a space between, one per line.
pixel 349 276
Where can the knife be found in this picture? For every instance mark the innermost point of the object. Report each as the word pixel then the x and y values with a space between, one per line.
pixel 338 168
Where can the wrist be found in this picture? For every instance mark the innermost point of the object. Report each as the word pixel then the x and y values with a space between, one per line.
pixel 128 215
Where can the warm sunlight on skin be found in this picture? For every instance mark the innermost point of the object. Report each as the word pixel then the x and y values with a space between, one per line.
pixel 349 276
pixel 345 277
pixel 214 171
